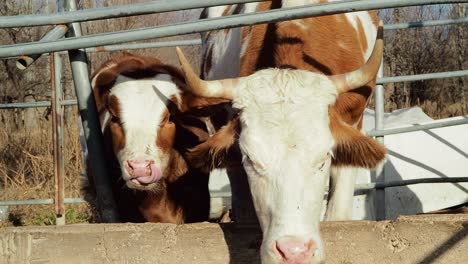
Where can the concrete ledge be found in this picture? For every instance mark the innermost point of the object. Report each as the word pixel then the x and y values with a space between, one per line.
pixel 419 239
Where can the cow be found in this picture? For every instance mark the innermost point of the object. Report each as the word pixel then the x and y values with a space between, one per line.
pixel 142 105
pixel 298 93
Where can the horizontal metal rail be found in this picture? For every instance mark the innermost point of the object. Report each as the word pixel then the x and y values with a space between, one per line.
pixel 35 104
pixel 203 25
pixel 396 79
pixel 383 185
pixel 40 201
pixel 132 46
pixel 112 12
pixel 159 44
pixel 422 77
pixel 57 32
pixel 81 200
pixel 432 23
pixel 357 188
pixel 417 127
pixel 197 41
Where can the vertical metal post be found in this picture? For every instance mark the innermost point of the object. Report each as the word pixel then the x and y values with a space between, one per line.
pixel 57 136
pixel 379 95
pixel 91 126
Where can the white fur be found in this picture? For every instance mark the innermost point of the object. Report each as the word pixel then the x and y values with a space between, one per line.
pixel 286 169
pixel 225 46
pixel 141 113
pixel 293 3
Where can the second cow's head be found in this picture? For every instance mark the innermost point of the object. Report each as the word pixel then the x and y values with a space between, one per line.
pixel 288 135
pixel 142 105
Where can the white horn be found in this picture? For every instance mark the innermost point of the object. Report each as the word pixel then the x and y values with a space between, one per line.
pixel 213 89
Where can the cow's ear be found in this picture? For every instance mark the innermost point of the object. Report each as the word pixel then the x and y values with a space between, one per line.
pixel 102 82
pixel 218 151
pixel 354 149
pixel 202 106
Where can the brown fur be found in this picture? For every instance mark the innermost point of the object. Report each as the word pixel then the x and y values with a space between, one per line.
pixel 183 195
pixel 218 150
pixel 314 48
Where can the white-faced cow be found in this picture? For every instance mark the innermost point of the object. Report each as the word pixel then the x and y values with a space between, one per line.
pixel 303 88
pixel 142 105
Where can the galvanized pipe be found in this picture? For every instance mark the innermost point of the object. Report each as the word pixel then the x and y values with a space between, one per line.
pixel 198 26
pixel 112 12
pixel 25 61
pixel 358 188
pixel 419 24
pixel 159 44
pixel 197 41
pixel 383 185
pixel 379 97
pixel 438 124
pixel 91 127
pixel 39 201
pixel 35 104
pixel 422 77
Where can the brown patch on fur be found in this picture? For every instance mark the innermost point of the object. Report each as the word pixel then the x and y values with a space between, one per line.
pixel 352 148
pixel 218 150
pixel 115 126
pixel 288 45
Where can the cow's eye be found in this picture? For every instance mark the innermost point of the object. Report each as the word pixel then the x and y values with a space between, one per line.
pixel 165 120
pixel 114 117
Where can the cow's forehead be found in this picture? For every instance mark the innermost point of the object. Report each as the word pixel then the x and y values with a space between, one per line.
pixel 285 114
pixel 143 102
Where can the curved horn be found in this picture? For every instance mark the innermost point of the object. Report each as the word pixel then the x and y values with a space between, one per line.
pixel 360 77
pixel 218 89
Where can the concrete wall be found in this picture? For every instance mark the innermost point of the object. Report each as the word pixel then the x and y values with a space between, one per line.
pixel 421 239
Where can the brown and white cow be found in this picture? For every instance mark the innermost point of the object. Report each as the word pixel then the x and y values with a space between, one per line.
pixel 303 90
pixel 142 105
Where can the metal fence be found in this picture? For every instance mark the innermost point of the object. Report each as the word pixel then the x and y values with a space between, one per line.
pixel 76 46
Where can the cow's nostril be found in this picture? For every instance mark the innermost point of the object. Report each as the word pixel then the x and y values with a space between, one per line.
pixel 138 168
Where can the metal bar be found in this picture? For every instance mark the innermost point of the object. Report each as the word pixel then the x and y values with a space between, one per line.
pixel 379 97
pixel 40 201
pixel 57 137
pixel 112 12
pixel 36 104
pixel 91 127
pixel 358 188
pixel 406 78
pixel 382 185
pixel 202 25
pixel 422 77
pixel 25 61
pixel 159 44
pixel 432 23
pixel 197 41
pixel 438 124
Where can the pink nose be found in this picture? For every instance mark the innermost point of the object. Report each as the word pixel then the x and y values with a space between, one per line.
pixel 142 171
pixel 138 168
pixel 295 250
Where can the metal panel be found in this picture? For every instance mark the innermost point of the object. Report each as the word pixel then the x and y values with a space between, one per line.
pixel 379 96
pixel 25 61
pixel 91 126
pixel 112 12
pixel 198 26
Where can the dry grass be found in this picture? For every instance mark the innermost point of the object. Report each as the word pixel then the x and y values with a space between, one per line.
pixel 27 172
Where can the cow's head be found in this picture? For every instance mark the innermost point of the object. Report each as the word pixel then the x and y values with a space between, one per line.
pixel 287 140
pixel 142 105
